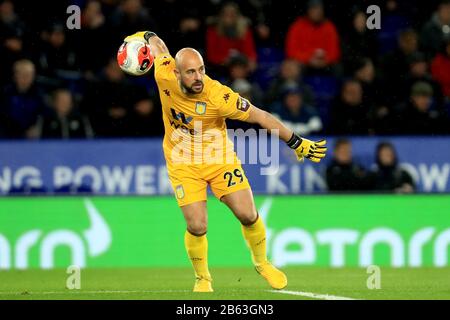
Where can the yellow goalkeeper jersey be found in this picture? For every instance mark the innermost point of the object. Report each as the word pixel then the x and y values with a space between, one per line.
pixel 195 129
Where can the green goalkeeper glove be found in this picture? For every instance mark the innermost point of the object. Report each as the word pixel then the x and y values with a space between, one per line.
pixel 143 36
pixel 304 148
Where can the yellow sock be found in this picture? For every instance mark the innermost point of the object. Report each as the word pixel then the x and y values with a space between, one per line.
pixel 197 250
pixel 255 236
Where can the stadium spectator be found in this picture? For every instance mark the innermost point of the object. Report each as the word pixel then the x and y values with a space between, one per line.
pixel 263 25
pixel 12 46
pixel 290 75
pixel 395 66
pixel 181 23
pixel 190 32
pixel 257 11
pixel 294 113
pixel 349 113
pixel 417 116
pixel 313 40
pixel 440 69
pixel 110 100
pixel 394 20
pixel 93 34
pixel 130 16
pixel 63 121
pixel 230 34
pixel 341 13
pixel 21 102
pixel 239 71
pixel 146 117
pixel 419 71
pixel 358 42
pixel 343 174
pixel 56 54
pixel 364 72
pixel 373 93
pixel 167 14
pixel 388 176
pixel 437 30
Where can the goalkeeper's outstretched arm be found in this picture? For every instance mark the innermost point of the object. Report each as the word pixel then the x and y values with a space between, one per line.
pixel 157 45
pixel 302 147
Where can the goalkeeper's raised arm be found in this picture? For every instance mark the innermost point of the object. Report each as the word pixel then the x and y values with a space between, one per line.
pixel 157 46
pixel 303 148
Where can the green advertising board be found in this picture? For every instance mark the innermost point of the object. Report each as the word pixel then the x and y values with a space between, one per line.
pixel 387 230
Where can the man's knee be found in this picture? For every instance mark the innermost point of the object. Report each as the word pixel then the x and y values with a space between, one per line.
pixel 197 228
pixel 247 217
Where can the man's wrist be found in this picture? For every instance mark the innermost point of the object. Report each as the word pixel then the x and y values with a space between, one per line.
pixel 294 141
pixel 148 35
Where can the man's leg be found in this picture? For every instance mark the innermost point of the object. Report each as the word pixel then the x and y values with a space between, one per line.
pixel 196 243
pixel 242 204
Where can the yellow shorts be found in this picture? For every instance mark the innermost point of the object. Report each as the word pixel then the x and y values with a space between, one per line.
pixel 190 181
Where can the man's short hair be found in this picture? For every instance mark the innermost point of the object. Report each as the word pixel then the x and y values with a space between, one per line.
pixel 410 32
pixel 341 141
pixel 23 64
pixel 422 88
pixel 58 91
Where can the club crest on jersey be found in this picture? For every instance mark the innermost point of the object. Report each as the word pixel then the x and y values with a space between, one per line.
pixel 242 104
pixel 179 191
pixel 200 107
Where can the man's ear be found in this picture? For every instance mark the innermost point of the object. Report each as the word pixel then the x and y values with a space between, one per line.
pixel 177 73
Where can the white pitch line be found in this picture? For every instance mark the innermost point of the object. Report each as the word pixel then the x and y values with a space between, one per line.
pixel 89 292
pixel 311 295
pixel 74 291
pixel 71 292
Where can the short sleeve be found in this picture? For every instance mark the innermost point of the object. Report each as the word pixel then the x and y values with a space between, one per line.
pixel 164 65
pixel 232 105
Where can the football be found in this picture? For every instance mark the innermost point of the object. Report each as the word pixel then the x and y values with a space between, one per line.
pixel 135 58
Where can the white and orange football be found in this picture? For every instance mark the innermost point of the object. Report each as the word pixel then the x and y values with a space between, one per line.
pixel 135 57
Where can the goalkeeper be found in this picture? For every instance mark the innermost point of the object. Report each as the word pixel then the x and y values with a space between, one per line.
pixel 194 109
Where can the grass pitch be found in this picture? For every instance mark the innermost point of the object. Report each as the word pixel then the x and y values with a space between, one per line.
pixel 228 283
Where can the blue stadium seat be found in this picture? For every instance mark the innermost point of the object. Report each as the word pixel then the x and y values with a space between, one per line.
pixel 72 80
pixel 325 89
pixel 324 106
pixel 269 61
pixel 148 82
pixel 387 35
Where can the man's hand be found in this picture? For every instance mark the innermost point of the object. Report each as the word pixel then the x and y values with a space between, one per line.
pixel 140 36
pixel 311 150
pixel 157 46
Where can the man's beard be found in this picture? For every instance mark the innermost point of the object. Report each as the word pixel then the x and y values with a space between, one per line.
pixel 189 90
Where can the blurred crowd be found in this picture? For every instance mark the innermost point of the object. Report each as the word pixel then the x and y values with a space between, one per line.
pixel 314 64
pixel 344 174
